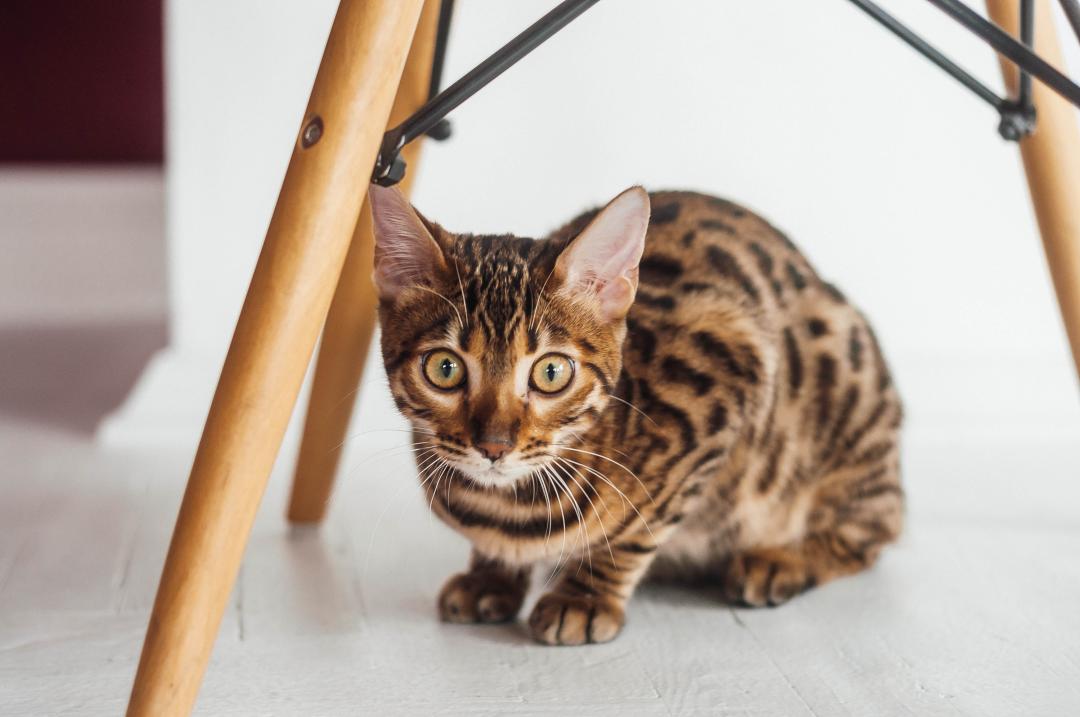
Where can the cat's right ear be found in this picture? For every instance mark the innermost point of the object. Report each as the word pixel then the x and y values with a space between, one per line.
pixel 600 266
pixel 406 255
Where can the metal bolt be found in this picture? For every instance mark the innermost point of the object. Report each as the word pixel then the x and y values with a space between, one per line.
pixel 1017 121
pixel 312 133
pixel 1008 130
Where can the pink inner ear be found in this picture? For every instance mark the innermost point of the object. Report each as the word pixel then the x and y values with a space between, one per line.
pixel 406 254
pixel 602 261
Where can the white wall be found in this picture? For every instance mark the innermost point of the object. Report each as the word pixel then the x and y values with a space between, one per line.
pixel 887 173
pixel 238 75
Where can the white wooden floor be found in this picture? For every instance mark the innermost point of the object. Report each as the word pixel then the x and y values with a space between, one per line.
pixel 976 612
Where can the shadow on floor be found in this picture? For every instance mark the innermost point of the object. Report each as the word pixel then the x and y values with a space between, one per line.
pixel 70 377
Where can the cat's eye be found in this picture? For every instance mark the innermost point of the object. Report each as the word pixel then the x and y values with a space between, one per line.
pixel 444 369
pixel 552 373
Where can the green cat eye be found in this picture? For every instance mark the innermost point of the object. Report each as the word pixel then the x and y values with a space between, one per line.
pixel 552 373
pixel 444 369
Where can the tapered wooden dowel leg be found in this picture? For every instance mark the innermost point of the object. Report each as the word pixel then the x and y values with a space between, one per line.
pixel 285 306
pixel 1052 163
pixel 351 321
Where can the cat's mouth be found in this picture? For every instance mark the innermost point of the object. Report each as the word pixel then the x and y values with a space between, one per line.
pixel 500 474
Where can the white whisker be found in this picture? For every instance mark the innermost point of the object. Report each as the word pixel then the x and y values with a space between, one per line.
pixel 614 487
pixel 596 510
pixel 379 519
pixel 423 431
pixel 581 522
pixel 430 290
pixel 461 286
pixel 447 468
pixel 547 501
pixel 610 460
pixel 562 487
pixel 384 453
pixel 540 297
pixel 623 401
pixel 562 512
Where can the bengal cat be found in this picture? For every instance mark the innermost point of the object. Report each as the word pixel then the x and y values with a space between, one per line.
pixel 674 395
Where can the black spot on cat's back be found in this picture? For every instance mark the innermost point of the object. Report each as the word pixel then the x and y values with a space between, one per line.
pixel 664 213
pixel 825 380
pixel 725 265
pixel 726 206
pixel 855 350
pixel 794 361
pixel 642 340
pixel 765 264
pixel 717 350
pixel 678 371
pixel 717 420
pixel 717 225
pixel 659 269
pixel 656 302
pixel 834 293
pixel 817 327
pixel 796 277
pixel 785 239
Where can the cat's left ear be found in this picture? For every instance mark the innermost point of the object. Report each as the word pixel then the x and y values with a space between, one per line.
pixel 406 255
pixel 601 264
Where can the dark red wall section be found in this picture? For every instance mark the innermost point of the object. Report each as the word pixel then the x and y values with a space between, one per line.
pixel 81 81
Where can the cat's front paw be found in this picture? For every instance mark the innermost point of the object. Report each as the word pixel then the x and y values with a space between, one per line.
pixel 574 620
pixel 482 596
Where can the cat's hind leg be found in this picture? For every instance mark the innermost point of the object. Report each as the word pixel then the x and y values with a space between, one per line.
pixel 855 515
pixel 488 592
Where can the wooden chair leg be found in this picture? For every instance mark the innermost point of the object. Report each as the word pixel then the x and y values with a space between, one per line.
pixel 286 303
pixel 351 321
pixel 1052 162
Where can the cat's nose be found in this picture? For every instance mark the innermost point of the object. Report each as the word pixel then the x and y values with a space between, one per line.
pixel 493 447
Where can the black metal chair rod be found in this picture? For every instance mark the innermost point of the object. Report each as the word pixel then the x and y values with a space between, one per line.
pixel 388 167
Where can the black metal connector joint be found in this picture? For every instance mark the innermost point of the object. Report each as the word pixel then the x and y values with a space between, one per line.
pixel 390 175
pixel 389 165
pixel 431 118
pixel 441 131
pixel 1017 120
